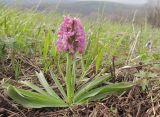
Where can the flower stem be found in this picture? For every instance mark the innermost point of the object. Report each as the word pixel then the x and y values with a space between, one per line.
pixel 69 80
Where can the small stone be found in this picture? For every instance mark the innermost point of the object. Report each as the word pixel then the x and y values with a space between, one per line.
pixel 2 110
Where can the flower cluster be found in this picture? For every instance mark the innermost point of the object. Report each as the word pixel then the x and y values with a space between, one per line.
pixel 71 36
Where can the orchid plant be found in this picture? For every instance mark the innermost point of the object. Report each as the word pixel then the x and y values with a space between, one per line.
pixel 71 40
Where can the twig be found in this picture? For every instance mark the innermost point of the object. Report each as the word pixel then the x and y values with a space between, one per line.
pixel 153 107
pixel 13 113
pixel 26 60
pixel 139 66
pixel 113 70
pixel 139 110
pixel 8 102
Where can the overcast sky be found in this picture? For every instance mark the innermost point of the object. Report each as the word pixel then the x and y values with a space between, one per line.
pixel 123 1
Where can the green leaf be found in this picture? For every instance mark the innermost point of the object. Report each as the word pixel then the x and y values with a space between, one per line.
pixel 34 87
pixel 99 59
pixel 47 42
pixel 60 70
pixel 46 85
pixel 113 89
pixel 58 84
pixel 99 93
pixel 90 85
pixel 33 100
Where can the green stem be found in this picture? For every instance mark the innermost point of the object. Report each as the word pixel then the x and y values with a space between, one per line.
pixel 69 80
pixel 74 76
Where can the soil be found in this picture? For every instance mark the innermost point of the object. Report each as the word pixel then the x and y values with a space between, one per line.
pixel 136 102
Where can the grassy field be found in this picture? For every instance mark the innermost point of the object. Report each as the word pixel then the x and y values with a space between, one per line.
pixel 28 44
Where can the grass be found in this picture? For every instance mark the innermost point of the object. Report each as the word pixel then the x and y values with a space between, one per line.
pixel 32 35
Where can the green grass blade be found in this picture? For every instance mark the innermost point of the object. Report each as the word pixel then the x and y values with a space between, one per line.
pixel 84 89
pixel 46 85
pixel 33 100
pixel 99 59
pixel 58 84
pixel 60 70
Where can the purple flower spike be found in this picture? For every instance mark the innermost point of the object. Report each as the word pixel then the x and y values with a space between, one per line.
pixel 71 36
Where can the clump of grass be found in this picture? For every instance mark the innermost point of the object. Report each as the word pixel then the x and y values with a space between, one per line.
pixel 35 33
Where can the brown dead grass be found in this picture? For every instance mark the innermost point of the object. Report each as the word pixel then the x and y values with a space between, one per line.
pixel 133 103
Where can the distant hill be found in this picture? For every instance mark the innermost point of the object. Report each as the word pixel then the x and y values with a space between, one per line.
pixel 33 2
pixel 84 8
pixel 89 7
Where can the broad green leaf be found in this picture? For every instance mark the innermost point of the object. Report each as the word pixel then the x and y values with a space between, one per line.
pixel 46 85
pixel 113 89
pixel 33 100
pixel 90 85
pixel 58 84
pixel 34 87
pixel 105 90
